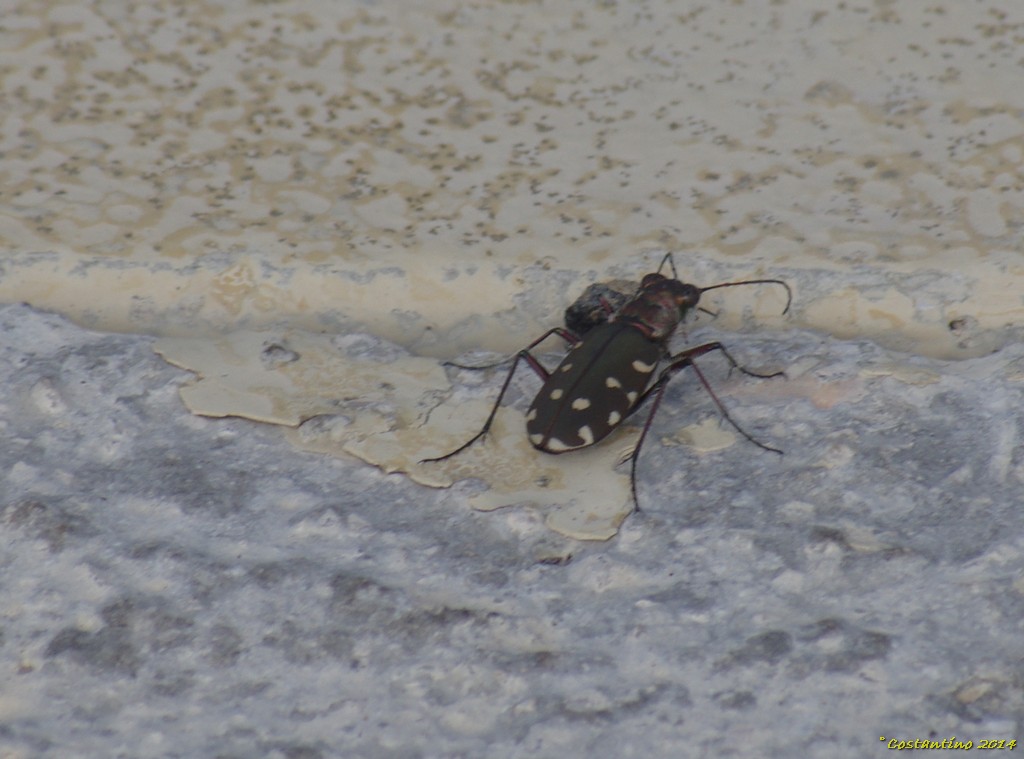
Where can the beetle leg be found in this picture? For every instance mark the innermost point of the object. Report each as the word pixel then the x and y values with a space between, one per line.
pixel 658 388
pixel 679 362
pixel 685 358
pixel 563 333
pixel 733 363
pixel 722 409
pixel 533 363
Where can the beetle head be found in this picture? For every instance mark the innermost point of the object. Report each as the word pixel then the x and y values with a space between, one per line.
pixel 670 291
pixel 660 304
pixel 685 296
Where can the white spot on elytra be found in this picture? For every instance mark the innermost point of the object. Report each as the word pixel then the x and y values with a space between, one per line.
pixel 537 439
pixel 580 404
pixel 531 415
pixel 586 435
pixel 614 418
pixel 643 368
pixel 567 367
pixel 612 382
pixel 631 397
pixel 557 446
pixel 556 394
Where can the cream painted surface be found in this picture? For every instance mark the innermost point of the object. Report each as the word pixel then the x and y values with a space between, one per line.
pixel 705 437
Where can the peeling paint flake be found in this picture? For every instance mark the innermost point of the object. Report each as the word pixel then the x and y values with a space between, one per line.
pixel 393 413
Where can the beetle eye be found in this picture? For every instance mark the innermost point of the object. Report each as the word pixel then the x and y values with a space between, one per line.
pixel 688 296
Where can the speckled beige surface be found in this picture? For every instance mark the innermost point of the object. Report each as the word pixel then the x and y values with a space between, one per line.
pixel 442 174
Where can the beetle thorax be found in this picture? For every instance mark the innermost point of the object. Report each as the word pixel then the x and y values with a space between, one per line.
pixel 659 306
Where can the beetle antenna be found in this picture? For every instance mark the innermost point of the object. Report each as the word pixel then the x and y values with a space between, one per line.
pixel 789 292
pixel 671 264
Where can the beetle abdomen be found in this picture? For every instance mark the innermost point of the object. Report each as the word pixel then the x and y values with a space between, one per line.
pixel 595 387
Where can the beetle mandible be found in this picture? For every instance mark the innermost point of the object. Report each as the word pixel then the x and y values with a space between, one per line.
pixel 610 370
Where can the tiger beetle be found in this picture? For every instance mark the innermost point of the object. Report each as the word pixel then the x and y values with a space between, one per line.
pixel 606 376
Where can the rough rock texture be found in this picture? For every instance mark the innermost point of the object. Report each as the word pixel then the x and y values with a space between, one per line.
pixel 180 587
